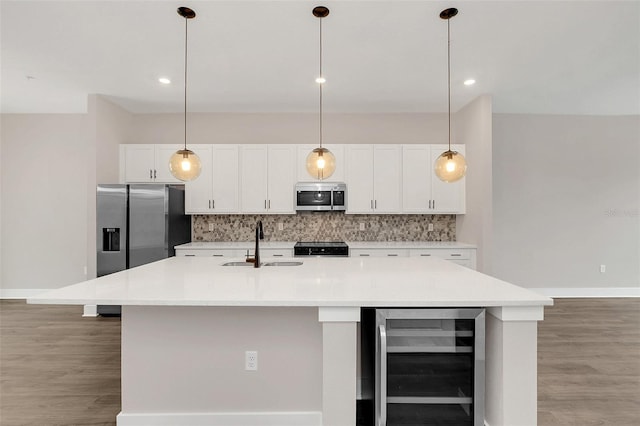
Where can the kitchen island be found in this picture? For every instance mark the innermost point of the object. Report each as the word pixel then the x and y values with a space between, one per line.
pixel 187 323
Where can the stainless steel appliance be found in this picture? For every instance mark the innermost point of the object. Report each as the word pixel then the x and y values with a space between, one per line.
pixel 137 224
pixel 321 196
pixel 424 366
pixel 319 248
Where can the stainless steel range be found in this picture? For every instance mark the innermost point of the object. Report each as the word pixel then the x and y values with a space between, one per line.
pixel 321 248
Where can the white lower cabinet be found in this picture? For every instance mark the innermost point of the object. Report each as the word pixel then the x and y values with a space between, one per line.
pixel 234 253
pixel 378 252
pixel 216 190
pixel 422 191
pixel 210 252
pixel 465 256
pixel 462 256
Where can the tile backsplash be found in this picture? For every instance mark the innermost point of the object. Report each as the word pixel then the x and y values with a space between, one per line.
pixel 325 226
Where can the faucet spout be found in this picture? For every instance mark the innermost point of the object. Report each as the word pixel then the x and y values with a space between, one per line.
pixel 259 236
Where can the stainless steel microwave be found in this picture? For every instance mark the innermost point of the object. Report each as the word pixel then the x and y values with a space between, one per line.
pixel 321 196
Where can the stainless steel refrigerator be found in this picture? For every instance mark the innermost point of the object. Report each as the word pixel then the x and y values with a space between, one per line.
pixel 138 224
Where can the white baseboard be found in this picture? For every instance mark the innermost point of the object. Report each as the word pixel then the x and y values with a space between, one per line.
pixel 306 418
pixel 90 311
pixel 595 292
pixel 21 293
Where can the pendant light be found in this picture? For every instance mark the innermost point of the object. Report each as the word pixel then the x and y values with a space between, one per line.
pixel 450 165
pixel 184 164
pixel 321 163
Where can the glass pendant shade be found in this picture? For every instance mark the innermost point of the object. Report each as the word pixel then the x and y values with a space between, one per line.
pixel 450 166
pixel 321 163
pixel 185 165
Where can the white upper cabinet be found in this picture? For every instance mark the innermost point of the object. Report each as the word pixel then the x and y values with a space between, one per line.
pixel 163 154
pixel 416 178
pixel 281 178
pixel 144 163
pixel 374 178
pixel 303 151
pixel 254 178
pixel 422 191
pixel 387 178
pixel 216 190
pixel 267 178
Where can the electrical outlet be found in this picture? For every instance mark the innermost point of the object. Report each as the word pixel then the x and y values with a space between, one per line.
pixel 603 269
pixel 210 227
pixel 251 360
pixel 362 226
pixel 280 226
pixel 430 227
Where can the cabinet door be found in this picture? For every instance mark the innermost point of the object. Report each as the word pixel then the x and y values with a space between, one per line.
pixel 281 178
pixel 387 178
pixel 359 163
pixel 303 151
pixel 139 163
pixel 379 253
pixel 163 154
pixel 198 192
pixel 446 197
pixel 225 192
pixel 417 172
pixel 253 178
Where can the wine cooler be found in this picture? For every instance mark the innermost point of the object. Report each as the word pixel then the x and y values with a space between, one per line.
pixel 424 366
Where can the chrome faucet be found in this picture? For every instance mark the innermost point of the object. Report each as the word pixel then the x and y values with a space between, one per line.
pixel 259 236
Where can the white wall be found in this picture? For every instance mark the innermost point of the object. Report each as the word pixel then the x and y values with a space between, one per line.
pixel 113 127
pixel 290 128
pixel 50 166
pixel 566 197
pixel 44 199
pixel 473 128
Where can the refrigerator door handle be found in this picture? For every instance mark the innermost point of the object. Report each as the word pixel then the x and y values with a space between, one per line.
pixel 382 370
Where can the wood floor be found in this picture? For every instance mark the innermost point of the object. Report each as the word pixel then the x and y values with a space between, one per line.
pixel 589 363
pixel 57 368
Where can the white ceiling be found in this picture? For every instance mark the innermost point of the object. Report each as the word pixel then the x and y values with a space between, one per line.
pixel 552 57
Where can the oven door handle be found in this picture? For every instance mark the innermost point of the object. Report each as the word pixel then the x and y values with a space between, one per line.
pixel 381 381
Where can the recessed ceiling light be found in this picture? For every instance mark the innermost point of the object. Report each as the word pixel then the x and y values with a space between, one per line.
pixel 164 80
pixel 469 82
pixel 321 80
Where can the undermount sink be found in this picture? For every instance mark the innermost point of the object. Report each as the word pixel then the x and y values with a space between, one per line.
pixel 237 264
pixel 284 263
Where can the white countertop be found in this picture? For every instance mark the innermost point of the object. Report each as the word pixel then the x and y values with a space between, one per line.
pixel 201 245
pixel 202 281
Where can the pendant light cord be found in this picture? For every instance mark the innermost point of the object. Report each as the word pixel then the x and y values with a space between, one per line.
pixel 449 77
pixel 321 76
pixel 186 23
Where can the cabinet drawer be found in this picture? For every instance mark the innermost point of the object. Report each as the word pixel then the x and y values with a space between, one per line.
pixel 211 253
pixel 450 254
pixel 275 252
pixel 379 253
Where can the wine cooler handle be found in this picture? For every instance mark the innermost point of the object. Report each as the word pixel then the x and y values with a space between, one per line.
pixel 382 420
